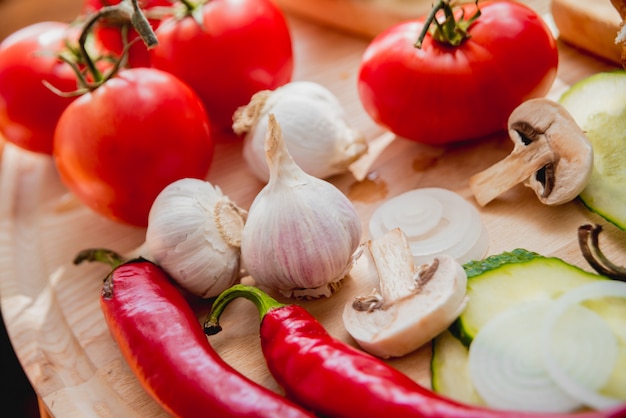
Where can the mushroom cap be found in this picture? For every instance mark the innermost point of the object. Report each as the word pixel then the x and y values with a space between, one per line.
pixel 565 177
pixel 551 155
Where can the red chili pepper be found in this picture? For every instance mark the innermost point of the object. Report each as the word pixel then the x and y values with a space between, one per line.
pixel 338 380
pixel 162 340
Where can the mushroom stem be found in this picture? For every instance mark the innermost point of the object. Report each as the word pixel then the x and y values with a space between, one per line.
pixel 518 166
pixel 395 267
pixel 413 304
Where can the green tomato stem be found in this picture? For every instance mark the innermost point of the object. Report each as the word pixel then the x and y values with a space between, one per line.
pixel 120 12
pixel 450 32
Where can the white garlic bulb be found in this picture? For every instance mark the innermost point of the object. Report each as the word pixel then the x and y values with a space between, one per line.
pixel 301 232
pixel 194 234
pixel 314 129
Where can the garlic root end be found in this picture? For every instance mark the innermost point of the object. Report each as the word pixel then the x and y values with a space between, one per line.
pixel 245 117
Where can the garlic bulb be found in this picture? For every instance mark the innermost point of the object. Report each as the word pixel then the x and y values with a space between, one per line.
pixel 301 232
pixel 314 129
pixel 194 234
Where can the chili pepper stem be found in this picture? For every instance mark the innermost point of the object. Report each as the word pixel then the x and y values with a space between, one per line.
pixel 102 255
pixel 261 300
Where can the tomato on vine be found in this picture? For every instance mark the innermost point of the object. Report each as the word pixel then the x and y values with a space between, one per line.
pixel 28 109
pixel 112 34
pixel 442 80
pixel 226 50
pixel 130 133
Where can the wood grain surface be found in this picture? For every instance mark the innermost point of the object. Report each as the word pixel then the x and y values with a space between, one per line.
pixel 51 307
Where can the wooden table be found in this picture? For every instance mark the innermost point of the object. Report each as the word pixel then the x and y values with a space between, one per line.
pixel 51 307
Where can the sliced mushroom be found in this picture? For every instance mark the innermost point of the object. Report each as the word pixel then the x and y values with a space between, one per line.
pixel 413 303
pixel 552 155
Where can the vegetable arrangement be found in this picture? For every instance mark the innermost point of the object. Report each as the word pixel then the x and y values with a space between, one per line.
pixel 135 144
pixel 163 343
pixel 146 108
pixel 334 379
pixel 572 354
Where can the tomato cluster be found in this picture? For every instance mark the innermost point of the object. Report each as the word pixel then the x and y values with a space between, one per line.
pixel 123 118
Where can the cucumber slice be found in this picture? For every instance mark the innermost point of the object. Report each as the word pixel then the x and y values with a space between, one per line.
pixel 449 369
pixel 501 281
pixel 598 105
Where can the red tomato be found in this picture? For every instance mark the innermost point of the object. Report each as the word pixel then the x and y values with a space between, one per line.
pixel 28 109
pixel 440 94
pixel 108 33
pixel 243 46
pixel 118 146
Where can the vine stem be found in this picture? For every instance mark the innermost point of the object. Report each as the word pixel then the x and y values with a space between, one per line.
pixel 122 11
pixel 432 16
pixel 451 31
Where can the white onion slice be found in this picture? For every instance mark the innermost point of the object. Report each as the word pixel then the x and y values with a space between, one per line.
pixel 506 365
pixel 436 221
pixel 583 381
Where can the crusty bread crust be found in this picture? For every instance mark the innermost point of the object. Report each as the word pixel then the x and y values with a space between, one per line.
pixel 620 39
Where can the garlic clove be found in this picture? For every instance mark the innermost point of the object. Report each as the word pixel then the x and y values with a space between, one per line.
pixel 194 234
pixel 301 231
pixel 412 305
pixel 314 128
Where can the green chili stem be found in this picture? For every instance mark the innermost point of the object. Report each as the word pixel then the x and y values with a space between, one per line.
pixel 101 255
pixel 261 300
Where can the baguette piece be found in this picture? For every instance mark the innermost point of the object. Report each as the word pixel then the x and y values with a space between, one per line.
pixel 589 25
pixel 620 6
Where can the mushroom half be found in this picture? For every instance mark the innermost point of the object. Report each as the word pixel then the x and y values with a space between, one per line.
pixel 551 155
pixel 412 305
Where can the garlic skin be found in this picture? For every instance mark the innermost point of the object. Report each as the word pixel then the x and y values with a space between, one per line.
pixel 194 234
pixel 314 129
pixel 301 232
